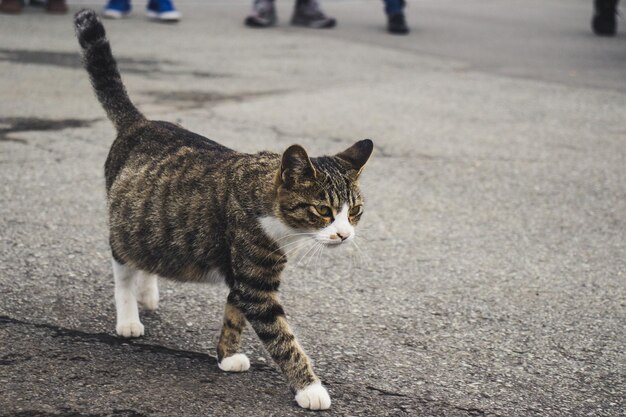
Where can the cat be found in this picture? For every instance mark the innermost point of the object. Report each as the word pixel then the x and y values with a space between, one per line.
pixel 186 208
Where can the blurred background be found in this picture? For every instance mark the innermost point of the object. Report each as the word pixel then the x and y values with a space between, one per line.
pixel 490 278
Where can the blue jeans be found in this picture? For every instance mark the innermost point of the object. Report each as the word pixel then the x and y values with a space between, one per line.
pixel 394 6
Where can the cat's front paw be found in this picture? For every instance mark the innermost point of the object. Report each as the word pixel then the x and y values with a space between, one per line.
pixel 314 397
pixel 129 329
pixel 236 363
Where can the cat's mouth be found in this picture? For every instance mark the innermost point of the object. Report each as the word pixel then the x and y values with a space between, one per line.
pixel 333 243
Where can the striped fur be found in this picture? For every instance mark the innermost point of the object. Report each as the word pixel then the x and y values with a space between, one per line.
pixel 184 207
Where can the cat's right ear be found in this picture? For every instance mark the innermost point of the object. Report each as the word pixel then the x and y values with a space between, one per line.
pixel 296 165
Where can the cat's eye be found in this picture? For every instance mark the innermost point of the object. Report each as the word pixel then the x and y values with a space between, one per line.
pixel 324 211
pixel 355 211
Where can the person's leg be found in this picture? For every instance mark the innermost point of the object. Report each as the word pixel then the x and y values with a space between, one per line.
pixel 163 10
pixel 396 22
pixel 11 6
pixel 263 14
pixel 56 7
pixel 116 9
pixel 604 22
pixel 308 13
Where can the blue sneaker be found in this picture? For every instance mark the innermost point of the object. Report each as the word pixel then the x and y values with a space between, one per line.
pixel 163 10
pixel 116 9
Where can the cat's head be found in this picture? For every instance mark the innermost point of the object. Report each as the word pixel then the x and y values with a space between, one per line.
pixel 320 196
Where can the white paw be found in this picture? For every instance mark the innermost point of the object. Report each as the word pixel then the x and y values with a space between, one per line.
pixel 314 397
pixel 149 300
pixel 236 363
pixel 129 329
pixel 147 290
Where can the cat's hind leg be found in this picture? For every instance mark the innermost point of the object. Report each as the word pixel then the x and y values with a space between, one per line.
pixel 229 359
pixel 147 290
pixel 128 324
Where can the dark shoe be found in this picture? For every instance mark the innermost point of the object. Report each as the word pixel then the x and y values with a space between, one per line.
pixel 56 7
pixel 263 15
pixel 396 24
pixel 11 6
pixel 604 22
pixel 308 13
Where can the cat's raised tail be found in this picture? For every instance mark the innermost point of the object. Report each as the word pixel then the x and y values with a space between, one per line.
pixel 102 68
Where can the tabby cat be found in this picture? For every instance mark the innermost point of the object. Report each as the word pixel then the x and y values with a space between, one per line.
pixel 189 209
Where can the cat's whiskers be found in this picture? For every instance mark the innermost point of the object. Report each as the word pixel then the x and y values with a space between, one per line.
pixel 290 252
pixel 364 257
pixel 319 259
pixel 313 246
pixel 315 251
pixel 284 246
pixel 293 250
pixel 291 235
pixel 302 255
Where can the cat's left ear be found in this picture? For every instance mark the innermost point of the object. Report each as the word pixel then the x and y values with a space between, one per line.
pixel 358 154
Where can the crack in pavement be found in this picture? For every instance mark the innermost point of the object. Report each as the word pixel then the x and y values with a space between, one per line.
pixel 473 411
pixel 386 392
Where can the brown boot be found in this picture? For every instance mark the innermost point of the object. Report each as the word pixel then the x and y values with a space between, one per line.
pixel 11 6
pixel 56 7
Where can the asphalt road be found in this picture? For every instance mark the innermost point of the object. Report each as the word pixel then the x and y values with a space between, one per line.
pixel 491 279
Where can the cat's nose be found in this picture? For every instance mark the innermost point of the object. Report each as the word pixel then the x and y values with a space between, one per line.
pixel 343 236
